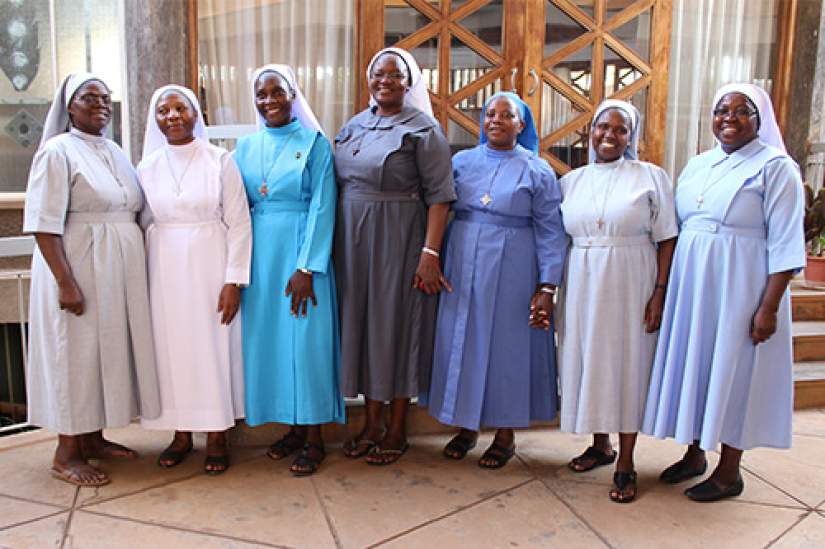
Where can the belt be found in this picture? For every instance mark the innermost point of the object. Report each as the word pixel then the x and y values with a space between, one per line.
pixel 101 217
pixel 720 228
pixel 490 218
pixel 360 195
pixel 610 241
pixel 275 206
pixel 184 224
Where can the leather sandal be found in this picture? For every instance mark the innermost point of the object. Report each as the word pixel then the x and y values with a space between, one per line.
pixel 218 464
pixel 708 490
pixel 622 480
pixel 458 447
pixel 598 458
pixel 678 472
pixel 173 457
pixel 499 454
pixel 285 446
pixel 304 464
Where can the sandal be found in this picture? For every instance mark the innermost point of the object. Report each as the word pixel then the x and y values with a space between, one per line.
pixel 72 477
pixel 597 457
pixel 708 490
pixel 622 480
pixel 458 447
pixel 285 446
pixel 499 454
pixel 386 456
pixel 173 457
pixel 219 464
pixel 678 472
pixel 355 448
pixel 305 465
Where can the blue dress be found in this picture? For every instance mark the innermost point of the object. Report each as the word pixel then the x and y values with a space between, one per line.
pixel 490 368
pixel 290 364
pixel 741 220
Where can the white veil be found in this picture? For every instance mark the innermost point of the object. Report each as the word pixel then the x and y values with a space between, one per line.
pixel 417 94
pixel 57 119
pixel 300 107
pixel 153 138
pixel 768 131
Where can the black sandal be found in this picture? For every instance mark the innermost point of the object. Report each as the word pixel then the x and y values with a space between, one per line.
pixel 499 454
pixel 599 458
pixel 678 472
pixel 220 462
pixel 708 490
pixel 621 481
pixel 458 447
pixel 285 446
pixel 305 465
pixel 174 457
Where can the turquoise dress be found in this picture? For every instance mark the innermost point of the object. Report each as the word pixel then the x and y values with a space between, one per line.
pixel 290 364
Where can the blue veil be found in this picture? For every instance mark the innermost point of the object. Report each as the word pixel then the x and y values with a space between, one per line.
pixel 529 137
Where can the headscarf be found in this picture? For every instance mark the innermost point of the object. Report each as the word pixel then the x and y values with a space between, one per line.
pixel 528 137
pixel 417 94
pixel 153 138
pixel 57 119
pixel 632 114
pixel 300 108
pixel 768 131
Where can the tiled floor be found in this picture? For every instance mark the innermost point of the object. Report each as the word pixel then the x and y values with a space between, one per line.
pixel 422 501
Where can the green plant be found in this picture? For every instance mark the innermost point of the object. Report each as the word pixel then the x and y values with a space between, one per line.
pixel 815 220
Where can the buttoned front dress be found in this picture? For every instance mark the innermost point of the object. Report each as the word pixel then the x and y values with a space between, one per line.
pixel 95 370
pixel 389 171
pixel 710 382
pixel 291 364
pixel 198 239
pixel 605 354
pixel 491 369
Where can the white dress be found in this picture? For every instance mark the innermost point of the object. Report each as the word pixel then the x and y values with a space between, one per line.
pixel 95 370
pixel 605 355
pixel 198 239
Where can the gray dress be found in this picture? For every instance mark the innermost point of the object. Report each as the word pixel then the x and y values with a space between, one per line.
pixel 95 370
pixel 389 170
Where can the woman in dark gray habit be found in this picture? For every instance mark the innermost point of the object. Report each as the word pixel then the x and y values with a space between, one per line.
pixel 394 174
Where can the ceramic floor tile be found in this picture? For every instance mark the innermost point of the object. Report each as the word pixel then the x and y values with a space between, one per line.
pixel 809 533
pixel 25 474
pixel 255 500
pixel 809 422
pixel 15 511
pixel 92 531
pixel 130 476
pixel 370 503
pixel 529 516
pixel 47 532
pixel 658 516
pixel 799 471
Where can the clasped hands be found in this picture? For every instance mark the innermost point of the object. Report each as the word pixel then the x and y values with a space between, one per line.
pixel 428 276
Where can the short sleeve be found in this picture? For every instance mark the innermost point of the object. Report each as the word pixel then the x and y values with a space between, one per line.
pixel 432 155
pixel 47 193
pixel 663 224
pixel 784 206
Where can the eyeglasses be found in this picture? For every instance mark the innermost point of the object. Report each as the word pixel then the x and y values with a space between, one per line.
pixel 397 76
pixel 741 112
pixel 94 99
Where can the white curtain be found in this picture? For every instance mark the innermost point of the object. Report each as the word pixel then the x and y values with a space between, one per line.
pixel 315 37
pixel 714 42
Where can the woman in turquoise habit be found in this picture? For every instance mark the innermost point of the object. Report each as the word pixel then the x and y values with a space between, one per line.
pixel 290 323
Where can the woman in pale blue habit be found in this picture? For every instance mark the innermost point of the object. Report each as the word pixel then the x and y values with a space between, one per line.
pixel 723 367
pixel 290 331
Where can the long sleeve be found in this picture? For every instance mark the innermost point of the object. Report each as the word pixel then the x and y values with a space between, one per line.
pixel 320 226
pixel 47 193
pixel 783 206
pixel 551 240
pixel 236 218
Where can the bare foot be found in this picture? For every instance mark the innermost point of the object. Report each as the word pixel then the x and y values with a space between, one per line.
pixel 97 447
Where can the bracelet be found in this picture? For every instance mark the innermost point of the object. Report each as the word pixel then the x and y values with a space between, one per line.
pixel 430 251
pixel 305 271
pixel 547 290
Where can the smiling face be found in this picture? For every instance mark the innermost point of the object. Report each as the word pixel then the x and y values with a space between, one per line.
pixel 735 121
pixel 388 82
pixel 90 108
pixel 175 117
pixel 611 132
pixel 502 124
pixel 273 99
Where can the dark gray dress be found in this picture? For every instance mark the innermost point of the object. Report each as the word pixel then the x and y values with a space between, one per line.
pixel 389 170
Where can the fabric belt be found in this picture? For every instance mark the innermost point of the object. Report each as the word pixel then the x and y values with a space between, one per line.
pixel 183 224
pixel 490 218
pixel 720 228
pixel 275 206
pixel 360 195
pixel 610 241
pixel 101 217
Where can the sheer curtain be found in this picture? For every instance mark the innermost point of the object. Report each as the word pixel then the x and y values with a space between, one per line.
pixel 714 42
pixel 315 37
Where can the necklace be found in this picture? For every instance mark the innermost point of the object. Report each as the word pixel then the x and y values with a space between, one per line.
pixel 486 198
pixel 358 143
pixel 600 222
pixel 700 199
pixel 179 180
pixel 108 162
pixel 263 189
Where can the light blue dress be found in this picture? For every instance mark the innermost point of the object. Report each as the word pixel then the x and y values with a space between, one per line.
pixel 290 364
pixel 709 382
pixel 490 369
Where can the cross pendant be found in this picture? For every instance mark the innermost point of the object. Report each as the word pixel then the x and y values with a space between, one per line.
pixel 486 199
pixel 699 201
pixel 600 223
pixel 263 189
